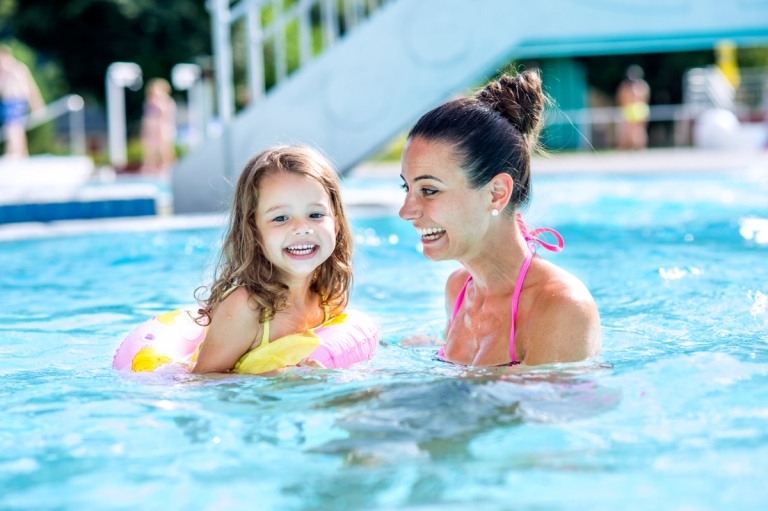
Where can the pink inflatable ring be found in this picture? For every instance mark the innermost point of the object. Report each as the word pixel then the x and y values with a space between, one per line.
pixel 172 339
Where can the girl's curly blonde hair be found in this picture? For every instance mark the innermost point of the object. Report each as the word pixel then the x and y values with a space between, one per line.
pixel 243 261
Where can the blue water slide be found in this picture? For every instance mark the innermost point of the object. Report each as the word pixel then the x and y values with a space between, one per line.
pixel 410 55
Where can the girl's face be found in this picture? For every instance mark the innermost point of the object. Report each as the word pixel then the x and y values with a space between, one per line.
pixel 449 215
pixel 296 222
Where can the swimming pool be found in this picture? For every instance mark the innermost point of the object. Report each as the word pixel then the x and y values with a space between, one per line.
pixel 674 415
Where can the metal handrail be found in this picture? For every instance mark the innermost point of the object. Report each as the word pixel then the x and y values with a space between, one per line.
pixel 680 114
pixel 224 16
pixel 72 105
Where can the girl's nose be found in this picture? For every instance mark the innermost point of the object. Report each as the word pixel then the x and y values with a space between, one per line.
pixel 303 228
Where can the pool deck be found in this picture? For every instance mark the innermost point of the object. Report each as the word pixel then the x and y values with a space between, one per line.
pixel 118 193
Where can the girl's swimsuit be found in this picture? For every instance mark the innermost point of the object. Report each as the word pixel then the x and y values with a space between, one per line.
pixel 287 350
pixel 531 238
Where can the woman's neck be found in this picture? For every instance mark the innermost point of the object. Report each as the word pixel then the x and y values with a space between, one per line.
pixel 495 264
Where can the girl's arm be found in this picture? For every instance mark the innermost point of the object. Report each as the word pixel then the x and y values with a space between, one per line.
pixel 234 327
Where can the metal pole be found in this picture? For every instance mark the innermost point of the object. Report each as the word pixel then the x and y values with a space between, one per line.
pixel 75 105
pixel 222 50
pixel 305 36
pixel 330 24
pixel 187 77
pixel 196 113
pixel 255 54
pixel 119 75
pixel 278 22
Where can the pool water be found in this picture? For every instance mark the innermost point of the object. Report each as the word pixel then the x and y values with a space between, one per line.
pixel 673 415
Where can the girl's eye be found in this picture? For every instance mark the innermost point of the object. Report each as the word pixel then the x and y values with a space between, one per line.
pixel 428 191
pixel 280 218
pixel 404 187
pixel 316 215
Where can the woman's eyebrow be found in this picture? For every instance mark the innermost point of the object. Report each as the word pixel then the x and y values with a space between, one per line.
pixel 422 177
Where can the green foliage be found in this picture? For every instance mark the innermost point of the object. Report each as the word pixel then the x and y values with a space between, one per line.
pixel 7 9
pixel 752 57
pixel 85 36
pixel 393 150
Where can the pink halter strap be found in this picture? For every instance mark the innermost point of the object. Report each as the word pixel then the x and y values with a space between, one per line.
pixel 531 237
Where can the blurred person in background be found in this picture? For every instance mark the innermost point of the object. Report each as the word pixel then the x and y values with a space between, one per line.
pixel 19 96
pixel 158 128
pixel 632 97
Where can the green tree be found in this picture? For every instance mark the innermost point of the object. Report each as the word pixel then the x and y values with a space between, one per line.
pixel 86 36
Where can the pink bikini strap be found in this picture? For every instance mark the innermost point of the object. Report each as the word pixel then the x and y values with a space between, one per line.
pixel 515 300
pixel 459 299
pixel 532 238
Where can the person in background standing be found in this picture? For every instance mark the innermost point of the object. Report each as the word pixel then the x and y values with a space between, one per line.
pixel 19 95
pixel 158 128
pixel 632 97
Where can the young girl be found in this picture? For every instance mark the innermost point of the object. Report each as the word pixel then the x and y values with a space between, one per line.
pixel 285 263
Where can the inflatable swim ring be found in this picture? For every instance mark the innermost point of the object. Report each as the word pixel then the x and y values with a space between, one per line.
pixel 172 340
pixel 172 337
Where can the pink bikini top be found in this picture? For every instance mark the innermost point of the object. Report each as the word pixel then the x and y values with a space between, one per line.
pixel 532 238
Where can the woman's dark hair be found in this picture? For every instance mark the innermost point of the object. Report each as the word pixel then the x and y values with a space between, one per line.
pixel 495 131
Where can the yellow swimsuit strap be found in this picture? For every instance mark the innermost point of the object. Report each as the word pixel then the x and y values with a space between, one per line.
pixel 289 350
pixel 265 334
pixel 228 292
pixel 265 328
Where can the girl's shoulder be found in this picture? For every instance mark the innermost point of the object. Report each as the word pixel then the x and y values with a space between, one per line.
pixel 237 302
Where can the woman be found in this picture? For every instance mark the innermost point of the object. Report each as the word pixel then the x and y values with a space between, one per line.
pixel 466 168
pixel 158 128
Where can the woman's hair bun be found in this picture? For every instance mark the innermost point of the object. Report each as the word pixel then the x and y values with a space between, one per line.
pixel 519 99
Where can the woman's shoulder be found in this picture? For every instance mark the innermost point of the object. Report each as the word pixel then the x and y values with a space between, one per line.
pixel 559 283
pixel 456 281
pixel 566 318
pixel 560 293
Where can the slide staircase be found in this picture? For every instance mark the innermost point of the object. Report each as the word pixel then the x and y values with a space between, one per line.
pixel 402 57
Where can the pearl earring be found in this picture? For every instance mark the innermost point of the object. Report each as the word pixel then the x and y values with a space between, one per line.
pixel 494 212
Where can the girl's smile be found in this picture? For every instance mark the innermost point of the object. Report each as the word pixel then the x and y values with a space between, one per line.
pixel 296 222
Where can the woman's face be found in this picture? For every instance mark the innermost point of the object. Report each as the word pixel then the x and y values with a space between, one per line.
pixel 449 215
